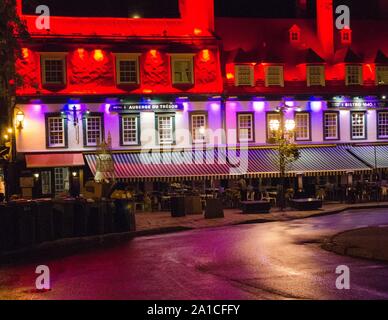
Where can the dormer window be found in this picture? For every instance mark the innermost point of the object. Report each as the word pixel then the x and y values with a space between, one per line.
pixel 346 35
pixel 245 75
pixel 353 75
pixel 294 33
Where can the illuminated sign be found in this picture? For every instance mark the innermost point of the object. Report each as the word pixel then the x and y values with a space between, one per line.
pixel 358 104
pixel 146 107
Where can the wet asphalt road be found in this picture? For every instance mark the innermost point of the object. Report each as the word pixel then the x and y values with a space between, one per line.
pixel 280 260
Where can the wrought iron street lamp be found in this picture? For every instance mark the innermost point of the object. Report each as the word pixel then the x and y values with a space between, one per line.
pixel 283 135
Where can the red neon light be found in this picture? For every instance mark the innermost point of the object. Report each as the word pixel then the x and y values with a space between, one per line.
pixel 147 91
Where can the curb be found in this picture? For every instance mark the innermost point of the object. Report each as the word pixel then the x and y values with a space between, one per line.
pixel 68 246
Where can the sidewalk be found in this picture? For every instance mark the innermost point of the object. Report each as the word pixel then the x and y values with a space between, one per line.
pixel 366 243
pixel 153 221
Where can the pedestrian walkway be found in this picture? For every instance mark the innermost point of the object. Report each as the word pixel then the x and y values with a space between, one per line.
pixel 148 221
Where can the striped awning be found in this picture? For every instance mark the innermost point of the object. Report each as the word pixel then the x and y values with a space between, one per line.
pixel 374 156
pixel 226 164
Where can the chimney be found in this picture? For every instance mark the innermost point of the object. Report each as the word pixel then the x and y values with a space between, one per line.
pixel 325 26
pixel 200 13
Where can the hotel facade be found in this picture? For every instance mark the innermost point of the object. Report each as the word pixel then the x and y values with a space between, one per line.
pixel 192 98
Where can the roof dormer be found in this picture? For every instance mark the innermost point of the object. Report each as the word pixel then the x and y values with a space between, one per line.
pixel 294 34
pixel 346 36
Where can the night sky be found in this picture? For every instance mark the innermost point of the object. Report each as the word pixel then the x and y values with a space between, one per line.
pixel 169 8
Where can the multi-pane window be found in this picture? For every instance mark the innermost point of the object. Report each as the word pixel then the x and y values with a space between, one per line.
pixel 53 70
pixel 61 180
pixel 128 71
pixel 346 35
pixel 302 126
pixel 182 69
pixel 93 130
pixel 245 127
pixel 353 75
pixel 274 76
pixel 315 76
pixel 330 126
pixel 294 36
pixel 165 128
pixel 127 68
pixel 198 128
pixel 272 117
pixel 358 130
pixel 130 129
pixel 56 131
pixel 244 75
pixel 382 75
pixel 382 125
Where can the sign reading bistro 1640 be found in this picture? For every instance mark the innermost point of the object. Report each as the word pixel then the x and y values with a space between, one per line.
pixel 358 104
pixel 146 107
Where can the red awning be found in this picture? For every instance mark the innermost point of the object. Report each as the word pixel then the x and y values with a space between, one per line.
pixel 50 160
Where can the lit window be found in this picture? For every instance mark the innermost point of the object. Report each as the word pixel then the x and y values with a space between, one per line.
pixel 330 125
pixel 353 75
pixel 382 75
pixel 198 128
pixel 244 75
pixel 54 69
pixel 315 76
pixel 56 131
pixel 245 127
pixel 130 129
pixel 93 130
pixel 182 69
pixel 358 125
pixel 302 126
pixel 127 68
pixel 272 117
pixel 166 129
pixel 382 125
pixel 274 76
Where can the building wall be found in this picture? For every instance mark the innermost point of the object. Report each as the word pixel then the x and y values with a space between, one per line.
pixel 32 138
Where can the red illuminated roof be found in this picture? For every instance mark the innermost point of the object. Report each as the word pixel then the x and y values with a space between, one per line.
pixel 196 20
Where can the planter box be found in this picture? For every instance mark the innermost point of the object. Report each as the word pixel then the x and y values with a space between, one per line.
pixel 306 204
pixel 256 207
pixel 178 207
pixel 214 209
pixel 193 205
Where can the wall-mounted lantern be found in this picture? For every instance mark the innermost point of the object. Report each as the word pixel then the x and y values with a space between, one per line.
pixel 19 119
